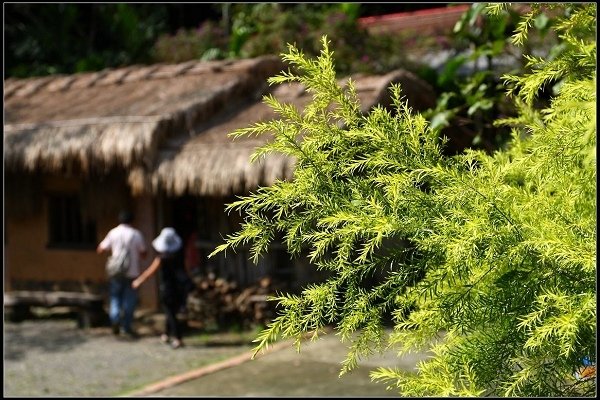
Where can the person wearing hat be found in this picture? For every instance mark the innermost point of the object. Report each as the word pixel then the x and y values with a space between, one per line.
pixel 172 275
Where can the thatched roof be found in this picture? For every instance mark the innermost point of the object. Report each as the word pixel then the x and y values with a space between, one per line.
pixel 167 125
pixel 119 117
pixel 212 163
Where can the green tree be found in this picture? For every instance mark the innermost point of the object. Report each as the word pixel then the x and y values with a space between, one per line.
pixel 255 29
pixel 473 100
pixel 42 39
pixel 486 260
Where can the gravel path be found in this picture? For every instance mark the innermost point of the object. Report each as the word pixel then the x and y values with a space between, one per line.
pixel 52 357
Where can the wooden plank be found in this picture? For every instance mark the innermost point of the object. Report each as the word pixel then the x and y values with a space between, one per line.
pixel 50 299
pixel 89 306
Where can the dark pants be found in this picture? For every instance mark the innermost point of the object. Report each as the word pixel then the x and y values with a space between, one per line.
pixel 173 327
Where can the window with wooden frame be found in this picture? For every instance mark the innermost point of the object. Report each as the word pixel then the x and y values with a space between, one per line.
pixel 68 225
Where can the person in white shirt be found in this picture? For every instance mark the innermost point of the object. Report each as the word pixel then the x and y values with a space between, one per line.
pixel 123 298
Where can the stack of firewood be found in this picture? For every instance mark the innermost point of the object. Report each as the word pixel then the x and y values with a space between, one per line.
pixel 222 303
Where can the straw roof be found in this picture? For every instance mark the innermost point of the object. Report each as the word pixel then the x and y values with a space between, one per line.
pixel 118 117
pixel 213 164
pixel 167 125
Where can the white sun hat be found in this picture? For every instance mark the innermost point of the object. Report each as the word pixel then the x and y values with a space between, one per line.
pixel 167 242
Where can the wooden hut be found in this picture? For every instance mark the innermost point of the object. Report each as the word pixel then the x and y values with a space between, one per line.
pixel 78 148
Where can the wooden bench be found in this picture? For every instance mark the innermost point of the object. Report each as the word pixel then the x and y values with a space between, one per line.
pixel 89 306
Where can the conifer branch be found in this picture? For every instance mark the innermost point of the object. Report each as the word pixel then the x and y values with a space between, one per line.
pixel 487 261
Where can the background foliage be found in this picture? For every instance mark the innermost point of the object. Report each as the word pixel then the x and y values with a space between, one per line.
pixel 267 28
pixel 43 39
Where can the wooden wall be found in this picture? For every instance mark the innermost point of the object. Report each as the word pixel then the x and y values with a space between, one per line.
pixel 31 264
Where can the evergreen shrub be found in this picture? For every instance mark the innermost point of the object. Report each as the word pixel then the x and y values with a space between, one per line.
pixel 488 261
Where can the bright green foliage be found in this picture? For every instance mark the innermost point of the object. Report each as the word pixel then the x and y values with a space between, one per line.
pixel 487 260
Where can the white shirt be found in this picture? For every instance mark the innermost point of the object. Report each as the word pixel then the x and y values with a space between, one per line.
pixel 120 236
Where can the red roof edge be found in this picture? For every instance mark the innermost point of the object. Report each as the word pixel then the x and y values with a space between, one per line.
pixel 460 8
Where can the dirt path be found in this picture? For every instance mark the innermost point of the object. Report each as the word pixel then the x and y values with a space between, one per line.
pixel 52 357
pixel 55 358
